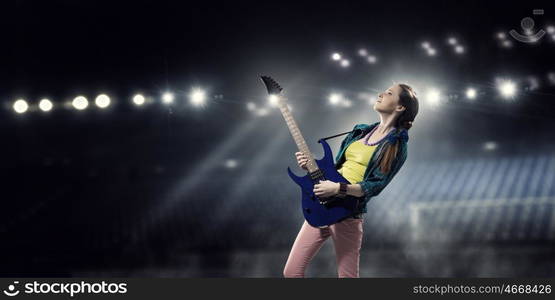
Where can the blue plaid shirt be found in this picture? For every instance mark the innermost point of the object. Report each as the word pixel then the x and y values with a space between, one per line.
pixel 374 181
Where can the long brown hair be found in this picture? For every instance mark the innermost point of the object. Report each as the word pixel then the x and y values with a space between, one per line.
pixel 407 98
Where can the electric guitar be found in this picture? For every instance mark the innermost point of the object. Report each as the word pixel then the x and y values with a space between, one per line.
pixel 318 211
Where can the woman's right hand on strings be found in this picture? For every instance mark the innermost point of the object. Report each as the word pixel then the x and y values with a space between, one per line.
pixel 302 160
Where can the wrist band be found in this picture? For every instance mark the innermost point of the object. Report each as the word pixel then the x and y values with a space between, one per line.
pixel 342 189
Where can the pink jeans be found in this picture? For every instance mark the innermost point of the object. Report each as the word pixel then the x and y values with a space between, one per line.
pixel 347 240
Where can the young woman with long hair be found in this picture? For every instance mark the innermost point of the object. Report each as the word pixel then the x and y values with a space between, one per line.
pixel 369 157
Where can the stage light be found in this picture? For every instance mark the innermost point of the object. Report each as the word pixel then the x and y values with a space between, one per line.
pixel 362 52
pixel 335 98
pixel 550 29
pixel 80 103
pixel 471 93
pixel 507 88
pixel 336 56
pixel 197 97
pixel 433 97
pixel 501 35
pixel 507 44
pixel 431 51
pixel 425 45
pixel 20 106
pixel 345 63
pixel 273 100
pixel 251 106
pixel 230 163
pixel 490 146
pixel 139 99
pixel 167 98
pixel 372 59
pixel 102 101
pixel 459 49
pixel 45 105
pixel 452 41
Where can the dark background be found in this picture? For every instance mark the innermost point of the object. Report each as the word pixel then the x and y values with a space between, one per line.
pixel 132 191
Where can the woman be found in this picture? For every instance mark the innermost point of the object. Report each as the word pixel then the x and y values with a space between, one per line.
pixel 368 158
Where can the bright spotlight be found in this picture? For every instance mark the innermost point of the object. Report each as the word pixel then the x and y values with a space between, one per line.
pixel 345 63
pixel 433 97
pixel 102 101
pixel 425 45
pixel 273 99
pixel 362 52
pixel 335 99
pixel 20 106
pixel 336 56
pixel 550 29
pixel 507 88
pixel 501 35
pixel 45 105
pixel 139 99
pixel 431 51
pixel 471 93
pixel 452 41
pixel 372 59
pixel 167 98
pixel 80 103
pixel 197 97
pixel 459 49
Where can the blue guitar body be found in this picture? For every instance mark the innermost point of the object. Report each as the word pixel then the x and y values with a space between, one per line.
pixel 337 209
pixel 318 212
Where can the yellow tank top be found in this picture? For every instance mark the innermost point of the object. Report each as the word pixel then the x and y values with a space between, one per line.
pixel 357 156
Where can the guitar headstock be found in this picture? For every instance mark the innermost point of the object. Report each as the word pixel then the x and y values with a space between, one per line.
pixel 271 85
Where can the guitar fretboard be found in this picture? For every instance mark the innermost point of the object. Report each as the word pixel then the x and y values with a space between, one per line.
pixel 296 133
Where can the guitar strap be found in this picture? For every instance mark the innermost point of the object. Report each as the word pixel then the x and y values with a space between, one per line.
pixel 340 134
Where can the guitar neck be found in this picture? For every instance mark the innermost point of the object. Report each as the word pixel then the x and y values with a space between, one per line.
pixel 297 136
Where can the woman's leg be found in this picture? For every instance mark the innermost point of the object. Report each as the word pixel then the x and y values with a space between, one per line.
pixel 308 242
pixel 347 239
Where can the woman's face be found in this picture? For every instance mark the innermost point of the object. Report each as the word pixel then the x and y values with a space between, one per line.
pixel 388 101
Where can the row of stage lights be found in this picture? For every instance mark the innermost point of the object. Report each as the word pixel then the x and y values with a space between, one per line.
pixel 197 98
pixel 433 96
